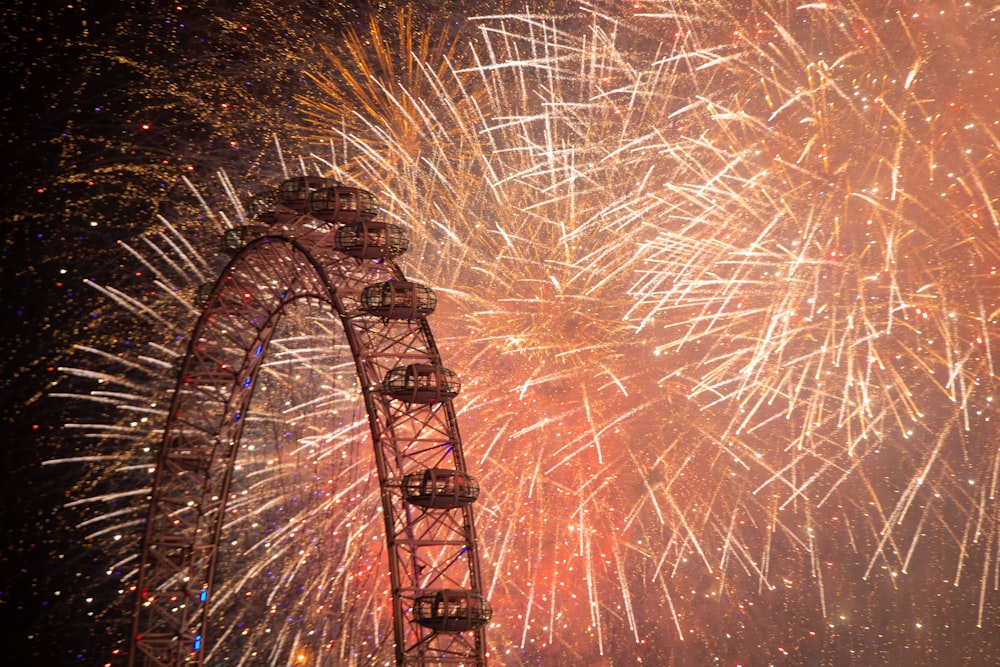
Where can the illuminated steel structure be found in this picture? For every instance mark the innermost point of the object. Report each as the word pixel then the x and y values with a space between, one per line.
pixel 317 240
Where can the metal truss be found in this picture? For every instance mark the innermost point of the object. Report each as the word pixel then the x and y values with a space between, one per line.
pixel 439 611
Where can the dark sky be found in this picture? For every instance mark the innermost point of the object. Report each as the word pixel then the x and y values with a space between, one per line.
pixel 106 105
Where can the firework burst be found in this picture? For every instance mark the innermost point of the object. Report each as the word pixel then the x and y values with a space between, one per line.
pixel 789 208
pixel 721 284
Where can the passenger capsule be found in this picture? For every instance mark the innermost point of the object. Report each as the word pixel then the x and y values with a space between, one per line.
pixel 342 204
pixel 372 240
pixel 234 239
pixel 398 300
pixel 421 383
pixel 440 488
pixel 261 208
pixel 452 610
pixel 297 193
pixel 205 293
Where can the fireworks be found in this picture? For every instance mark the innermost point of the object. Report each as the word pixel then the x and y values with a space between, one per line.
pixel 721 285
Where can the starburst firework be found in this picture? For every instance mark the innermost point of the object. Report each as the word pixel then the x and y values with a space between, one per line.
pixel 700 292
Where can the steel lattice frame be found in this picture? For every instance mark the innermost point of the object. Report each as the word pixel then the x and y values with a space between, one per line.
pixel 429 549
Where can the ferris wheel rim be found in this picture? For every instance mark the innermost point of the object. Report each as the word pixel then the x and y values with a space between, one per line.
pixel 315 283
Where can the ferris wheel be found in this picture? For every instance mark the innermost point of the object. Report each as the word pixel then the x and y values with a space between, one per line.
pixel 316 241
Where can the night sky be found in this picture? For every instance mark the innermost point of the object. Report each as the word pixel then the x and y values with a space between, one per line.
pixel 865 180
pixel 106 105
